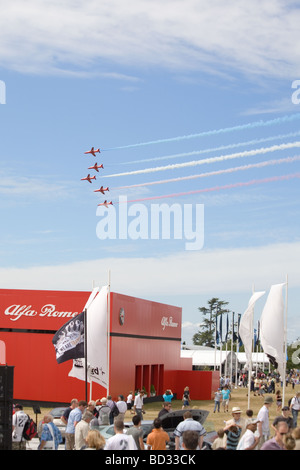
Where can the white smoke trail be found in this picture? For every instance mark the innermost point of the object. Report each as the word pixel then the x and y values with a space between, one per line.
pixel 215 173
pixel 225 130
pixel 215 149
pixel 176 166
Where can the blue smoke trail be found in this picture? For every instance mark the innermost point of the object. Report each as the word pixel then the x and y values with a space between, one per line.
pixel 239 127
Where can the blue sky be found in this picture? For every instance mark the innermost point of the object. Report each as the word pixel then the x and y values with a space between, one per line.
pixel 86 73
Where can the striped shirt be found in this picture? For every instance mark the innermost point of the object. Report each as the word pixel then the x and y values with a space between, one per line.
pixel 233 439
pixel 189 424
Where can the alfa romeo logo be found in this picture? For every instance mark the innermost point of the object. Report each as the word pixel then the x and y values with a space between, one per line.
pixel 121 316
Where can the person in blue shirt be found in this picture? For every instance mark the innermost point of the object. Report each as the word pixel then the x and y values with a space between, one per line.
pixel 74 418
pixel 225 398
pixel 168 395
pixel 217 399
pixel 51 435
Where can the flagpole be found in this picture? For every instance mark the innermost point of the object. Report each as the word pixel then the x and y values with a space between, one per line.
pixel 221 342
pixel 85 353
pixel 108 333
pixel 231 358
pixel 250 364
pixel 215 343
pixel 236 362
pixel 285 341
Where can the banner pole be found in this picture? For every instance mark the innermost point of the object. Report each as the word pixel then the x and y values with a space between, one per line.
pixel 285 343
pixel 108 333
pixel 85 353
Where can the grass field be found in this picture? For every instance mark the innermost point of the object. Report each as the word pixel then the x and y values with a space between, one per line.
pixel 239 398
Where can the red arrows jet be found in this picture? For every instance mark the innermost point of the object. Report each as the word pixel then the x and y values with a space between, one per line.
pixel 101 190
pixel 93 151
pixel 89 178
pixel 105 203
pixel 95 167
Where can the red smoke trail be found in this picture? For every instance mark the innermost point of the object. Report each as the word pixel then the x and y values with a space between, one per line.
pixel 219 188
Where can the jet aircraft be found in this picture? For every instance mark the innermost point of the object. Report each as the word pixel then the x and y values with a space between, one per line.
pixel 93 151
pixel 95 167
pixel 101 190
pixel 105 203
pixel 89 178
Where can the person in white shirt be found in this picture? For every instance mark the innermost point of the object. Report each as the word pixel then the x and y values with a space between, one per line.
pixel 295 408
pixel 249 440
pixel 129 401
pixel 138 406
pixel 122 407
pixel 263 426
pixel 120 441
pixel 82 428
pixel 18 422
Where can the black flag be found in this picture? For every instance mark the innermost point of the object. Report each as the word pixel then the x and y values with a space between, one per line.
pixel 68 341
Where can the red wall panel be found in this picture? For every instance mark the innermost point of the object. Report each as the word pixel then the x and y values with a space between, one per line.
pixel 145 339
pixel 201 383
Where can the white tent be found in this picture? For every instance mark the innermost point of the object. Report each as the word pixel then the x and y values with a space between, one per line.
pixel 208 357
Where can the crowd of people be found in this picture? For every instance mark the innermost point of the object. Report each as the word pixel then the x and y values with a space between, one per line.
pixel 242 431
pixel 253 433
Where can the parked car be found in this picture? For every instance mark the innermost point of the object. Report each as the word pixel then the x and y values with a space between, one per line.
pixel 56 413
pixel 171 420
pixel 169 424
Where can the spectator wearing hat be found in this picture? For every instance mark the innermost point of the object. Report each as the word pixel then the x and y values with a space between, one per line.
pixel 237 420
pixel 249 440
pixel 263 426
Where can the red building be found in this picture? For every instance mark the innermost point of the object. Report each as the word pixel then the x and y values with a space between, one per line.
pixel 144 347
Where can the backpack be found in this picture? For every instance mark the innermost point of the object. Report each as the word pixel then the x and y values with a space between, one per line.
pixel 115 410
pixel 104 412
pixel 29 430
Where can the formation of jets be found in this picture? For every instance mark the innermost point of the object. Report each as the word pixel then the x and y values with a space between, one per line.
pixel 89 178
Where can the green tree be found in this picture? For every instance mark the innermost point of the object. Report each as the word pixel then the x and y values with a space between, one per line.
pixel 206 335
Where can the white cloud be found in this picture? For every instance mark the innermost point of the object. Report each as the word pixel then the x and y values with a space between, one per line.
pixel 185 273
pixel 257 37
